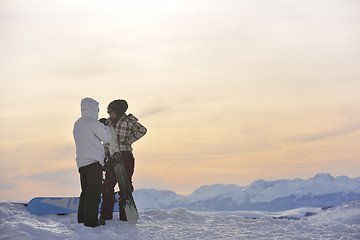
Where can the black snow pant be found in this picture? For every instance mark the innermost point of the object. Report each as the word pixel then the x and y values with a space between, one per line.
pixel 107 205
pixel 91 179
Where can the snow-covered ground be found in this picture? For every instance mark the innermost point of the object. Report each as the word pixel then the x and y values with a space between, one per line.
pixel 342 222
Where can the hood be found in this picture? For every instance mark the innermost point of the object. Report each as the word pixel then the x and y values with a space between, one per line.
pixel 89 108
pixel 131 118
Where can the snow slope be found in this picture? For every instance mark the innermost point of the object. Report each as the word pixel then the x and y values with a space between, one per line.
pixel 342 222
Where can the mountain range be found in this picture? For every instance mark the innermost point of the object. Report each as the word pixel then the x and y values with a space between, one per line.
pixel 322 190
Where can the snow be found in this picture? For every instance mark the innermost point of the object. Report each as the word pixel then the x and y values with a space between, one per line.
pixel 151 198
pixel 318 185
pixel 342 222
pixel 319 191
pixel 206 192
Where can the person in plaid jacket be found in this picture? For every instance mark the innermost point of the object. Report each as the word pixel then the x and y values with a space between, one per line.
pixel 128 131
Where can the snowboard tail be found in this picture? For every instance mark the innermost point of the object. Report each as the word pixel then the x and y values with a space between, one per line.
pixel 52 205
pixel 55 205
pixel 126 198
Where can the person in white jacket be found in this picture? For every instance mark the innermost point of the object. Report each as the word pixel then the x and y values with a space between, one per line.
pixel 89 134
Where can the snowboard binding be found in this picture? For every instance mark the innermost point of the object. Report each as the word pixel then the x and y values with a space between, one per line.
pixel 117 198
pixel 112 161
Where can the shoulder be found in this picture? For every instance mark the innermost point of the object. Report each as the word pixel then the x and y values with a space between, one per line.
pixel 131 118
pixel 99 126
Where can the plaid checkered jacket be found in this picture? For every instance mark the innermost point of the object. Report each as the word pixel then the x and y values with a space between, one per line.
pixel 128 131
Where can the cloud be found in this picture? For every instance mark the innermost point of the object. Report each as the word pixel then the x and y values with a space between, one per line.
pixel 153 110
pixel 63 176
pixel 8 186
pixel 313 137
pixel 66 151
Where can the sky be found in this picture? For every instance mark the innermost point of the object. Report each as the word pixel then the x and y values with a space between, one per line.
pixel 230 91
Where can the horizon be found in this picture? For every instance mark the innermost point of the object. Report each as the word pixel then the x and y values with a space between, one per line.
pixel 260 179
pixel 215 184
pixel 230 92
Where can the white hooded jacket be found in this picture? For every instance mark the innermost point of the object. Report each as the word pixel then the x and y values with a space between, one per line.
pixel 89 133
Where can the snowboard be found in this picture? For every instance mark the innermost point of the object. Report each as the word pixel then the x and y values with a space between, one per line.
pixel 126 197
pixel 55 205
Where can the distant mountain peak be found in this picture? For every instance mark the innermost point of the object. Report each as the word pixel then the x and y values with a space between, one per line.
pixel 321 190
pixel 324 176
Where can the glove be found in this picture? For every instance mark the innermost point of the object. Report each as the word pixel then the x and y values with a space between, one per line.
pixel 103 121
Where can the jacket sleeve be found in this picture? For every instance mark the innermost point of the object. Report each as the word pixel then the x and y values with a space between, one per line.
pixel 102 132
pixel 137 132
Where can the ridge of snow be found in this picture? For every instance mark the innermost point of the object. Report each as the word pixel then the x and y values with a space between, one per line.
pixel 210 191
pixel 152 198
pixel 341 222
pixel 267 191
pixel 257 192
